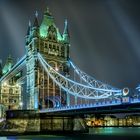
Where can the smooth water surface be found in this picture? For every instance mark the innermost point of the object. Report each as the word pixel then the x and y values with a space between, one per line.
pixel 109 133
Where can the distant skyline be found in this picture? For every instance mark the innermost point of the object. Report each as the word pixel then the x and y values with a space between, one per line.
pixel 105 34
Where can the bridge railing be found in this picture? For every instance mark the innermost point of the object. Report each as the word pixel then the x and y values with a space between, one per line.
pixel 83 106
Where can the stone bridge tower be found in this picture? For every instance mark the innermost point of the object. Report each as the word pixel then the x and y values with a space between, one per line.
pixel 46 39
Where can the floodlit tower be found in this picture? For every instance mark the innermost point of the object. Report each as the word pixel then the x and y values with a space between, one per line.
pixel 10 90
pixel 54 47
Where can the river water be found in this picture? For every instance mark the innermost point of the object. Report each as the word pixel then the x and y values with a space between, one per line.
pixel 110 133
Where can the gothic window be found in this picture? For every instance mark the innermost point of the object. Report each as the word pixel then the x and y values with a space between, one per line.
pixel 61 67
pixel 50 46
pixel 41 45
pixel 57 52
pixel 53 49
pixel 54 36
pixel 62 51
pixel 50 37
pixel 10 91
pixel 10 81
pixel 52 33
pixel 54 46
pixel 53 64
pixel 5 100
pixel 10 100
pixel 45 47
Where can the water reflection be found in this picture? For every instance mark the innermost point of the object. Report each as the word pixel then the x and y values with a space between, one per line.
pixel 106 133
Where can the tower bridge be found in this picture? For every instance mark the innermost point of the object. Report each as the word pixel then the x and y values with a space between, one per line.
pixel 53 82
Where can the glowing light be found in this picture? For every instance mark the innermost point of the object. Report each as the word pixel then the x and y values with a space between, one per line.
pixel 125 91
pixel 17 85
pixel 51 69
pixel 56 69
pixel 59 37
pixel 43 31
pixel 5 84
pixel 46 23
pixel 21 104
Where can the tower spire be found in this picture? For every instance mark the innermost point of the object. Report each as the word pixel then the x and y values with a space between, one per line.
pixel 66 27
pixel 36 20
pixel 29 28
pixel 36 13
pixel 66 35
pixel 47 12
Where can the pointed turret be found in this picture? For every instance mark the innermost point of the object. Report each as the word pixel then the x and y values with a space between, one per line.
pixel 8 65
pixel 27 37
pixel 36 24
pixel 47 12
pixel 47 21
pixel 29 28
pixel 66 36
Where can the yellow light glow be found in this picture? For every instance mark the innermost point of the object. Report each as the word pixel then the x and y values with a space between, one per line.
pixel 20 103
pixel 5 84
pixel 56 69
pixel 17 85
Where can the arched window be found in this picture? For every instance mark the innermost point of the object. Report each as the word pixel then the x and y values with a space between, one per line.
pixel 53 64
pixel 61 67
pixel 52 34
pixel 10 91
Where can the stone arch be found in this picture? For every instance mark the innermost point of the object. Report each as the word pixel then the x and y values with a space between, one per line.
pixel 53 64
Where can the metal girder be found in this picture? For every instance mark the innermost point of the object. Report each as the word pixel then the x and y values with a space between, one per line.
pixel 77 89
pixel 90 80
pixel 14 69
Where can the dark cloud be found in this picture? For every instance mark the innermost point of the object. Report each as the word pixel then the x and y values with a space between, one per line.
pixel 104 34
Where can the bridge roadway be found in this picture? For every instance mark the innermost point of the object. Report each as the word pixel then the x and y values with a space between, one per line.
pixel 133 106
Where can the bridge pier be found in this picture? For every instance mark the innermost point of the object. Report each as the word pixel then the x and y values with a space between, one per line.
pixel 30 121
pixel 79 124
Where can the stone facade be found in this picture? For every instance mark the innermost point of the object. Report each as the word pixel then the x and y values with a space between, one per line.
pixel 10 89
pixel 46 39
pixel 32 121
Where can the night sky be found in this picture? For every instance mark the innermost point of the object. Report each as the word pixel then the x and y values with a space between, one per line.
pixel 105 34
